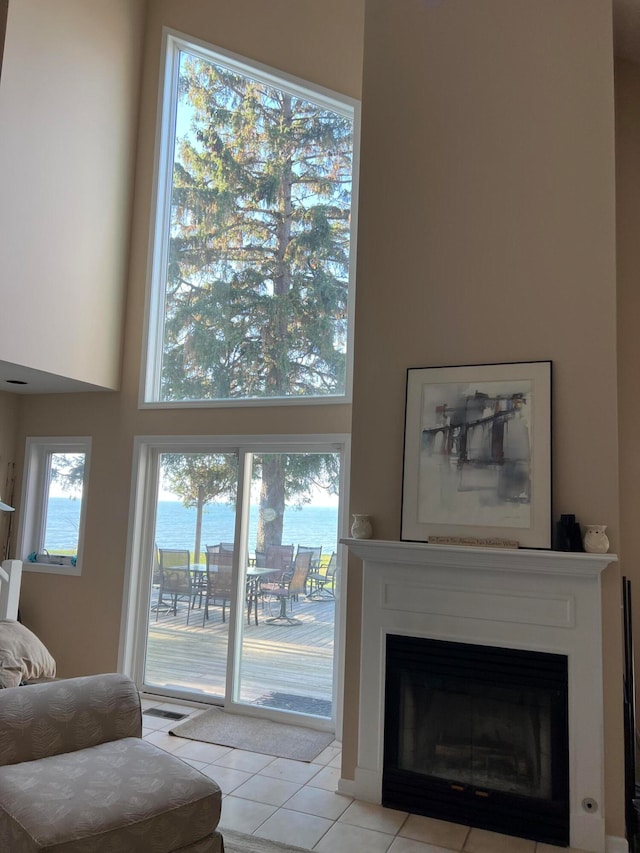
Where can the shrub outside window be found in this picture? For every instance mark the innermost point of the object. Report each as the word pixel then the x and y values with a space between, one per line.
pixel 253 255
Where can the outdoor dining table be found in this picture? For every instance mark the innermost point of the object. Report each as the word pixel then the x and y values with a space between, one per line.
pixel 254 575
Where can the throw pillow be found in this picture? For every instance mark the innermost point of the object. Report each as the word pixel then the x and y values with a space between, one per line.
pixel 23 656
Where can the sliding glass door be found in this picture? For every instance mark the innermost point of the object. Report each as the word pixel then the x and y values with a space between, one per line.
pixel 238 588
pixel 286 660
pixel 195 510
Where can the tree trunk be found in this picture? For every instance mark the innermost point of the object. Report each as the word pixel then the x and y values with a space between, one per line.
pixel 276 336
pixel 199 506
pixel 272 501
pixel 272 492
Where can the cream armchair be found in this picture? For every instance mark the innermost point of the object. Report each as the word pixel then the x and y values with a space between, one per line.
pixel 76 777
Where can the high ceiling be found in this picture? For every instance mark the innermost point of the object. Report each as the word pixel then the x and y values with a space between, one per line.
pixel 626 37
pixel 17 379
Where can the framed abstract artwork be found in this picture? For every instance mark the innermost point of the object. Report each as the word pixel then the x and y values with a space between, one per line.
pixel 477 453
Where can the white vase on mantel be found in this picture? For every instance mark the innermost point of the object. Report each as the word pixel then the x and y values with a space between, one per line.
pixel 361 527
pixel 595 539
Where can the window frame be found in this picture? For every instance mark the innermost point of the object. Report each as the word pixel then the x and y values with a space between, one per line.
pixel 150 375
pixel 33 509
pixel 141 542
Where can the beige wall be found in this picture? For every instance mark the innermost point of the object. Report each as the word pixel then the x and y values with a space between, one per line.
pixel 487 235
pixel 79 618
pixel 68 108
pixel 627 77
pixel 491 239
pixel 319 42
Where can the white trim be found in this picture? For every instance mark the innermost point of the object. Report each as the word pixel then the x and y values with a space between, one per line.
pixel 245 463
pixel 249 402
pixel 258 443
pixel 326 98
pixel 34 494
pixel 340 591
pixel 173 42
pixel 353 252
pixel 10 580
pixel 52 569
pixel 547 601
pixel 134 616
pixel 160 219
pixel 616 844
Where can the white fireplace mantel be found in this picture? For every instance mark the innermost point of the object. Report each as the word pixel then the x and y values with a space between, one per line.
pixel 548 601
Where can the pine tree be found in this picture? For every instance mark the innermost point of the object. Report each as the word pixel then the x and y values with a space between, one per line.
pixel 258 259
pixel 258 262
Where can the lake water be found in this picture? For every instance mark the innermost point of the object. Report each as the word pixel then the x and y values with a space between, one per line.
pixel 176 525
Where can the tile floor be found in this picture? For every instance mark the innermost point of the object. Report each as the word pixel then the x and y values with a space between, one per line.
pixel 296 803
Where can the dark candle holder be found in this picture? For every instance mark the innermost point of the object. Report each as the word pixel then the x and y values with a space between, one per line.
pixel 568 534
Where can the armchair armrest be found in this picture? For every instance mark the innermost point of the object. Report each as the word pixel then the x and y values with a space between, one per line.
pixel 41 720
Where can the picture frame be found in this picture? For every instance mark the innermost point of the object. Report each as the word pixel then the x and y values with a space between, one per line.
pixel 477 453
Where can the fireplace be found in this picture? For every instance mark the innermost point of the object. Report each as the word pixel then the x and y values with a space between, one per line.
pixel 477 734
pixel 485 600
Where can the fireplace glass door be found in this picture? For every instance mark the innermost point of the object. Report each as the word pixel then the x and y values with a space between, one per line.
pixel 496 738
pixel 477 735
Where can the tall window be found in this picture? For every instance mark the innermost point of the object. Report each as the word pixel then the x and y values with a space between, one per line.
pixel 53 507
pixel 253 251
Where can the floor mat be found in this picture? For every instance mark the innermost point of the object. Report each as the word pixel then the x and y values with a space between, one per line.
pixel 291 702
pixel 254 734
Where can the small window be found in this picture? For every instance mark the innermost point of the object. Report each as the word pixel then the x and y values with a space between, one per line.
pixel 53 504
pixel 253 258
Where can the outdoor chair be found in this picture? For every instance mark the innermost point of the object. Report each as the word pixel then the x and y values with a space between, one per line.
pixel 156 567
pixel 316 556
pixel 276 557
pixel 155 580
pixel 290 586
pixel 175 579
pixel 322 582
pixel 219 579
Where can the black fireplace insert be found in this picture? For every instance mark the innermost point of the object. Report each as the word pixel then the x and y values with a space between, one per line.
pixel 478 735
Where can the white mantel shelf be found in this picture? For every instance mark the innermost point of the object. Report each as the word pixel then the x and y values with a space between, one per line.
pixel 546 601
pixel 570 564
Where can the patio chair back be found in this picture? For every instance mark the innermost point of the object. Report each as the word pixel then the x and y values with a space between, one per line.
pixel 301 568
pixel 276 557
pixel 316 554
pixel 174 558
pixel 220 555
pixel 219 580
pixel 175 578
pixel 156 566
pixel 288 589
pixel 323 581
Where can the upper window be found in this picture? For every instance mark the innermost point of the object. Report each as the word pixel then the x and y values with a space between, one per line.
pixel 253 251
pixel 53 504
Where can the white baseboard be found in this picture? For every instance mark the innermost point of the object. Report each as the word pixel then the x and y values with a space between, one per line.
pixel 616 845
pixel 347 787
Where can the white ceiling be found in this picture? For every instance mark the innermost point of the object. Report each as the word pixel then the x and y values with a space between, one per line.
pixel 38 381
pixel 626 40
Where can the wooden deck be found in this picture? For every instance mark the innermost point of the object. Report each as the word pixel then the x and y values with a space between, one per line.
pixel 281 666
